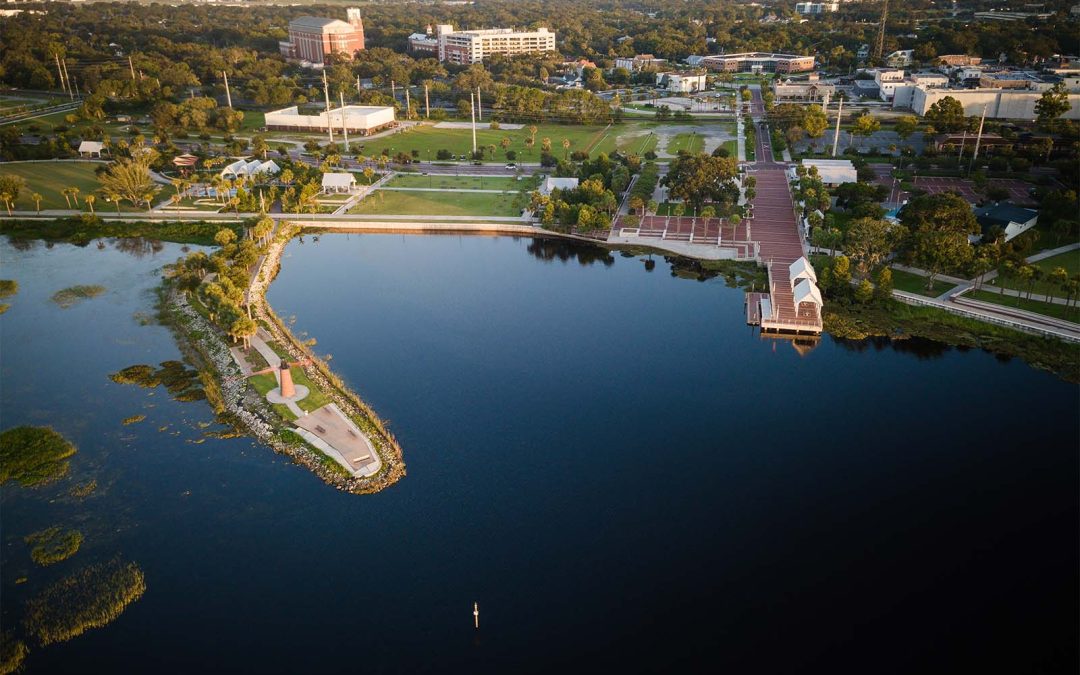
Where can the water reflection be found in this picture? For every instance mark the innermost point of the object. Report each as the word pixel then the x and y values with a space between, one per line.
pixel 138 247
pixel 565 251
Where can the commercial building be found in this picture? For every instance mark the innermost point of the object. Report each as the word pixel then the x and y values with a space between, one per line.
pixel 1013 104
pixel 759 62
pixel 683 83
pixel 897 87
pixel 810 89
pixel 311 38
pixel 356 119
pixel 816 7
pixel 640 62
pixel 993 15
pixel 953 60
pixel 472 46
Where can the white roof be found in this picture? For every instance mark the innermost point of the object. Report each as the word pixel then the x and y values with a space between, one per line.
pixel 801 269
pixel 338 179
pixel 91 146
pixel 807 291
pixel 833 171
pixel 553 183
pixel 268 167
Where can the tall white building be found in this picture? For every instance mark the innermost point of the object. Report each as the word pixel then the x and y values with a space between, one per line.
pixel 816 7
pixel 472 46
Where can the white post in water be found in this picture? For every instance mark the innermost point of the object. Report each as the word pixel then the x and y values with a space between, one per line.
pixel 836 134
pixel 476 615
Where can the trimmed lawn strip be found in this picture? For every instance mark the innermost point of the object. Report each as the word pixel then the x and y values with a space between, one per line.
pixel 1044 308
pixel 438 204
pixel 428 140
pixel 464 182
pixel 913 283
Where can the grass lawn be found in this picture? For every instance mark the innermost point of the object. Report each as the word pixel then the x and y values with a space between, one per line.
pixel 1070 261
pixel 49 178
pixel 913 283
pixel 1044 308
pixel 205 204
pixel 691 142
pixel 253 120
pixel 464 182
pixel 263 384
pixel 313 401
pixel 635 137
pixel 382 202
pixel 429 140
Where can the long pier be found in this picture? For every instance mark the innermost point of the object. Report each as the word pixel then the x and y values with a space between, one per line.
pixel 775 230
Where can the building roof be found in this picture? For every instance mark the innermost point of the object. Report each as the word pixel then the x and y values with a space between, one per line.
pixel 554 183
pixel 336 180
pixel 91 146
pixel 313 22
pixel 1003 214
pixel 807 291
pixel 833 171
pixel 801 269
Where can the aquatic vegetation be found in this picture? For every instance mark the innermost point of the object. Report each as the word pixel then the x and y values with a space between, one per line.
pixel 4 307
pixel 8 287
pixel 91 598
pixel 180 381
pixel 33 456
pixel 68 297
pixel 54 544
pixel 134 419
pixel 13 652
pixel 83 490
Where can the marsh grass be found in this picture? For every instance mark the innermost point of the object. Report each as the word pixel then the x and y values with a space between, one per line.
pixel 90 598
pixel 181 382
pixel 54 544
pixel 33 456
pixel 8 287
pixel 134 419
pixel 13 652
pixel 69 297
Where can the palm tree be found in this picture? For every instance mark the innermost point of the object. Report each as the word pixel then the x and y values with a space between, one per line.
pixel 6 198
pixel 491 150
pixel 532 132
pixel 1024 273
pixel 545 145
pixel 529 143
pixel 75 195
pixel 90 199
pixel 149 199
pixel 566 147
pixel 67 196
pixel 37 201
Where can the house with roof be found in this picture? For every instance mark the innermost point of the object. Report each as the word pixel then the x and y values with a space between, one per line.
pixel 1010 219
pixel 338 182
pixel 554 183
pixel 91 148
pixel 832 172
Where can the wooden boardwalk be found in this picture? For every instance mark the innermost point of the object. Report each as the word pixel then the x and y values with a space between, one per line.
pixel 775 229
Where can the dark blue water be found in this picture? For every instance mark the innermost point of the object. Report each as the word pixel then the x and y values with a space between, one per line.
pixel 622 474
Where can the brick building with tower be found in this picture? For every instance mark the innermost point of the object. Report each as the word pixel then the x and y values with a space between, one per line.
pixel 311 38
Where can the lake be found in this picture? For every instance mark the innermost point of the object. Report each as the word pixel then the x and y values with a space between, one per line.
pixel 619 471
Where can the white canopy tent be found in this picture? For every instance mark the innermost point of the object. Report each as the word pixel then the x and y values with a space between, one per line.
pixel 338 182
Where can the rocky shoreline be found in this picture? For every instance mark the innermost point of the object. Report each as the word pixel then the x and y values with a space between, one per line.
pixel 204 344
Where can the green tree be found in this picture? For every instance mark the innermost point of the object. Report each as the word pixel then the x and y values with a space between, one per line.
pixel 128 179
pixel 1052 105
pixel 883 289
pixel 864 291
pixel 947 114
pixel 865 126
pixel 12 184
pixel 870 241
pixel 815 122
pixel 939 227
pixel 841 273
pixel 906 125
pixel 703 178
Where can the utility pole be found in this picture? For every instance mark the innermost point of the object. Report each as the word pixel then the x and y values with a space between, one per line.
pixel 344 129
pixel 836 134
pixel 67 78
pixel 131 66
pixel 963 142
pixel 60 73
pixel 978 140
pixel 408 105
pixel 358 85
pixel 427 104
pixel 476 615
pixel 880 50
pixel 472 111
pixel 393 91
pixel 479 106
pixel 228 94
pixel 329 121
pixel 77 94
